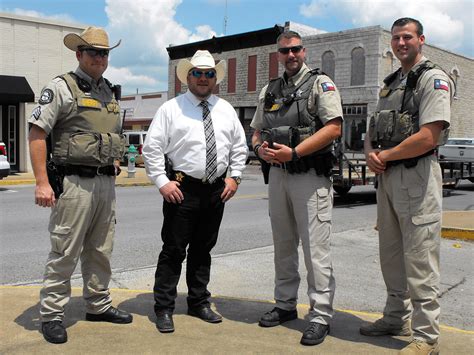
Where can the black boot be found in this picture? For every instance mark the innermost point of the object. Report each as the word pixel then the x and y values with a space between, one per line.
pixel 54 332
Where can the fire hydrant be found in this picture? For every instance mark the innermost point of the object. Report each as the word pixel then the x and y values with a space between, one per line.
pixel 131 155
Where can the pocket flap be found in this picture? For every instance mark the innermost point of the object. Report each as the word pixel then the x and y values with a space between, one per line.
pixel 426 218
pixel 62 230
pixel 415 191
pixel 324 217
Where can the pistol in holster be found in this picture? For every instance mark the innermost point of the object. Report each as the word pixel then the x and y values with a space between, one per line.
pixel 55 178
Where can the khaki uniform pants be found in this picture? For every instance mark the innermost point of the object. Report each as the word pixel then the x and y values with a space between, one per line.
pixel 409 223
pixel 300 209
pixel 82 224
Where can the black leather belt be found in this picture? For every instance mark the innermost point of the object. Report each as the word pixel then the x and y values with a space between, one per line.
pixel 179 176
pixel 281 166
pixel 86 170
pixel 410 162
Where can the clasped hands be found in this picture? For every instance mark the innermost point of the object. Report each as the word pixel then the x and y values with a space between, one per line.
pixel 278 154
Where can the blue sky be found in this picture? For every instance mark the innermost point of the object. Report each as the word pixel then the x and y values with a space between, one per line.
pixel 147 27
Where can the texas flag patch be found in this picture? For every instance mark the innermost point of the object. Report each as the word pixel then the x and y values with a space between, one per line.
pixel 441 84
pixel 328 87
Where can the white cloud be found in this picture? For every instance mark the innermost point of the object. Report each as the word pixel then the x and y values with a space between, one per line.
pixel 448 24
pixel 32 13
pixel 146 28
pixel 126 78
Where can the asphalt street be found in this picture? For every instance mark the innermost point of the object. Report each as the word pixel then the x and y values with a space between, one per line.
pixel 243 257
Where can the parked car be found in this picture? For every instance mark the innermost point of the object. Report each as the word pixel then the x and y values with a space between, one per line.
pixel 137 138
pixel 457 149
pixel 4 164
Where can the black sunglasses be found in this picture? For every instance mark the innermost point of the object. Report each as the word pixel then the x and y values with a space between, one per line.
pixel 295 49
pixel 92 52
pixel 208 74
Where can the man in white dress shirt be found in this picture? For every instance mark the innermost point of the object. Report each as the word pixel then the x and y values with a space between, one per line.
pixel 202 140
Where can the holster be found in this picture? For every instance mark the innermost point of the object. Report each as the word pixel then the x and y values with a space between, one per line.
pixel 55 178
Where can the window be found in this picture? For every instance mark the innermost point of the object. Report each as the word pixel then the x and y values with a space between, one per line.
pixel 252 74
pixel 355 125
pixel 231 73
pixel 358 66
pixel 328 64
pixel 387 64
pixel 273 65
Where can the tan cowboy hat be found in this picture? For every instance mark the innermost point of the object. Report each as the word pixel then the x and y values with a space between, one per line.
pixel 200 60
pixel 92 37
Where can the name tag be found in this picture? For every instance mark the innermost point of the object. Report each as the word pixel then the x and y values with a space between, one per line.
pixel 384 92
pixel 93 103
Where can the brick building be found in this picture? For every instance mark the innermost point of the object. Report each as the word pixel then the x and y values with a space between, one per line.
pixel 358 60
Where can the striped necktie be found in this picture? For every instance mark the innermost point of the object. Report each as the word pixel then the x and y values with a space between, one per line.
pixel 211 151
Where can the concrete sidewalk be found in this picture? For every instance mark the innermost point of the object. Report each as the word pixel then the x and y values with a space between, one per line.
pixel 456 224
pixel 239 332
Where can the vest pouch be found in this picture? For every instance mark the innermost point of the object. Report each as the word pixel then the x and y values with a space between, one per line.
pixel 384 124
pixel 113 147
pixel 403 127
pixel 84 148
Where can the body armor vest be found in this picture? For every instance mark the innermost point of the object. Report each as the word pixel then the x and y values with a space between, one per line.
pixel 91 133
pixel 398 116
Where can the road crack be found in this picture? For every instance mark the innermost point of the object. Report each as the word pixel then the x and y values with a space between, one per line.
pixel 453 287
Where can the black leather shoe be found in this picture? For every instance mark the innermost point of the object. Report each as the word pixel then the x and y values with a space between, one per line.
pixel 314 334
pixel 54 332
pixel 206 314
pixel 164 321
pixel 112 315
pixel 277 316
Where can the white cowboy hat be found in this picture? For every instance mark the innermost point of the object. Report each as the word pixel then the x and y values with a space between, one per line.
pixel 200 60
pixel 92 37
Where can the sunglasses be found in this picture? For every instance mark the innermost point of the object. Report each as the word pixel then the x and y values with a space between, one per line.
pixel 295 49
pixel 208 74
pixel 92 52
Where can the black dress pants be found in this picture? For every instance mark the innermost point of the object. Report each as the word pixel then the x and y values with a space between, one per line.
pixel 192 224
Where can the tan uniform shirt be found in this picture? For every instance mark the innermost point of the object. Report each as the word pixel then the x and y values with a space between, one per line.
pixel 56 100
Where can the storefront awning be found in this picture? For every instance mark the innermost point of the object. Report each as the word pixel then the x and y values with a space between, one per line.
pixel 15 89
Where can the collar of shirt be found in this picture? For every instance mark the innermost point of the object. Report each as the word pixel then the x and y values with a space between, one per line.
pixel 195 101
pixel 295 79
pixel 83 75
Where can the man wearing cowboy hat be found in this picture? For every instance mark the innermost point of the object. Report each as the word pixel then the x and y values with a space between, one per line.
pixel 80 114
pixel 204 143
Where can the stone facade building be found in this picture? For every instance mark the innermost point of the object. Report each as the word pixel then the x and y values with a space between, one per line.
pixel 31 54
pixel 358 60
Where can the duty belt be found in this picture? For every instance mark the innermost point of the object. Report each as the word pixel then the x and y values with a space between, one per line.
pixel 86 170
pixel 410 162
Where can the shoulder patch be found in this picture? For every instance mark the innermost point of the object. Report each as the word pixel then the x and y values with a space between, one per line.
pixel 440 84
pixel 327 86
pixel 46 97
pixel 36 113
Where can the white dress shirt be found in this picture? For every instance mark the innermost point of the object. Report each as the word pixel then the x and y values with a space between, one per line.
pixel 177 131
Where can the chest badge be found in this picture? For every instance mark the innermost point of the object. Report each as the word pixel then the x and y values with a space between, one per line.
pixel 384 92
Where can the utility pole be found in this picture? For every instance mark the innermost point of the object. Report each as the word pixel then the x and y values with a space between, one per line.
pixel 225 18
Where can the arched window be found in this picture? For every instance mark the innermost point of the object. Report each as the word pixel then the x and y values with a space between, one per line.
pixel 387 64
pixel 454 74
pixel 328 64
pixel 357 66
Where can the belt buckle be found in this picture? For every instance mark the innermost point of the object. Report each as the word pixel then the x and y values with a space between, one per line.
pixel 204 181
pixel 98 172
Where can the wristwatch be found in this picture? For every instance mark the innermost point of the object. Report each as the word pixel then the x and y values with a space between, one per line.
pixel 237 179
pixel 294 155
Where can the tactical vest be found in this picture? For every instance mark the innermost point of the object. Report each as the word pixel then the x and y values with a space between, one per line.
pixel 398 115
pixel 286 120
pixel 90 133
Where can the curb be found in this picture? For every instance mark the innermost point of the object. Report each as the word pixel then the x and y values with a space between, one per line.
pixel 457 233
